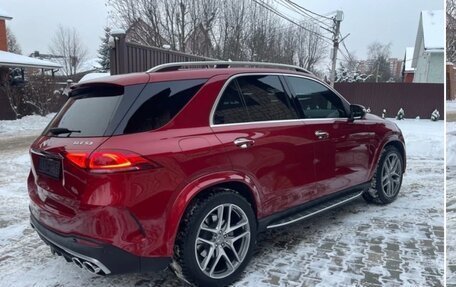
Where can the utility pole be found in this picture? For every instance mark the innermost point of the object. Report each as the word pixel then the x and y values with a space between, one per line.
pixel 337 20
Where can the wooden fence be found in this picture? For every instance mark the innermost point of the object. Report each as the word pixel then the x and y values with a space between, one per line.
pixel 130 57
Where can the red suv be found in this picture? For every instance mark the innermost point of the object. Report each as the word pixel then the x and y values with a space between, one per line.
pixel 184 164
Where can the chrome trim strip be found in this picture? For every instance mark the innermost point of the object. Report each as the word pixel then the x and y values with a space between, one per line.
pixel 178 65
pixel 314 213
pixel 228 81
pixel 90 259
pixel 277 122
pixel 46 154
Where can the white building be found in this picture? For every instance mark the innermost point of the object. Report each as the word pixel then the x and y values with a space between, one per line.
pixel 428 58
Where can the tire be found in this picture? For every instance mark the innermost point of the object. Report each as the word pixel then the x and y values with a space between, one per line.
pixel 202 234
pixel 387 181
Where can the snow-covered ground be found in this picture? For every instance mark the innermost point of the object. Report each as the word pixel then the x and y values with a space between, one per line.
pixel 451 193
pixel 27 126
pixel 358 245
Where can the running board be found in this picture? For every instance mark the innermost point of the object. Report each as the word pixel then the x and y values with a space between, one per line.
pixel 315 210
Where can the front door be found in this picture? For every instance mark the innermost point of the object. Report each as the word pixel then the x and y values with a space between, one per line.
pixel 262 134
pixel 343 149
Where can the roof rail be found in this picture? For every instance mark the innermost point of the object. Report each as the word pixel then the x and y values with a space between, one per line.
pixel 223 64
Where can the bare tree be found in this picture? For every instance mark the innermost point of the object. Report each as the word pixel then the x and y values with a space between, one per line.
pixel 311 48
pixel 13 45
pixel 68 47
pixel 236 30
pixel 203 15
pixel 378 56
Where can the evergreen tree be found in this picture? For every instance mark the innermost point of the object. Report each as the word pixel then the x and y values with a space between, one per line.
pixel 103 51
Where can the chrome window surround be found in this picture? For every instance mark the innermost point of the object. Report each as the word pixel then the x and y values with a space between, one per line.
pixel 228 81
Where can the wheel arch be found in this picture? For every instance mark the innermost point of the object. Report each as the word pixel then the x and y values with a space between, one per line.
pixel 202 187
pixel 394 141
pixel 400 147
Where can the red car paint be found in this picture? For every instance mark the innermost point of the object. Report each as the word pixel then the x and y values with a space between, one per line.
pixel 140 211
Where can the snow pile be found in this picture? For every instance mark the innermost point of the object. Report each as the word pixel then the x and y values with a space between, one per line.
pixel 28 125
pixel 92 76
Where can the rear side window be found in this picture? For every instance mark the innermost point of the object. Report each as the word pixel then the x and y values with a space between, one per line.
pixel 316 100
pixel 265 98
pixel 230 108
pixel 253 99
pixel 158 104
pixel 88 113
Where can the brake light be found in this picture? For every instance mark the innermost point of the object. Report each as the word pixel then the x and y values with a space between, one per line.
pixel 110 161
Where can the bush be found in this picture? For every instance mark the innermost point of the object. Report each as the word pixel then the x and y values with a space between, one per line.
pixel 38 95
pixel 400 114
pixel 435 116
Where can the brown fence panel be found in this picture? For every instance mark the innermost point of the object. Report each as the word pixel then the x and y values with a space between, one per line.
pixel 130 57
pixel 415 98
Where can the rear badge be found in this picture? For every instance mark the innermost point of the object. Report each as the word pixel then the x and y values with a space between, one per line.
pixel 82 143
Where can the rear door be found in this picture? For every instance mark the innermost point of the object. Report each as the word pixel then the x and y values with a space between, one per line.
pixel 343 148
pixel 259 128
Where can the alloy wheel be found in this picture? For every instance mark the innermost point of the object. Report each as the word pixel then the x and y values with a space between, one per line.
pixel 391 175
pixel 222 241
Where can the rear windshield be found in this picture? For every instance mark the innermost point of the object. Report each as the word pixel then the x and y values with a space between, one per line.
pixel 88 113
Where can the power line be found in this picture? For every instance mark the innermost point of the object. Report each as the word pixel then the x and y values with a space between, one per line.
pixel 348 52
pixel 289 6
pixel 271 9
pixel 302 8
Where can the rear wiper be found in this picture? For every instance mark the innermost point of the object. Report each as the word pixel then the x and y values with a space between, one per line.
pixel 58 131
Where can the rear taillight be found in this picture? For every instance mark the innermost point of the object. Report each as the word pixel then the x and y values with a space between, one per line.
pixel 110 161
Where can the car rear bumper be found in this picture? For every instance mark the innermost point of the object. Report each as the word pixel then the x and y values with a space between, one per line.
pixel 96 257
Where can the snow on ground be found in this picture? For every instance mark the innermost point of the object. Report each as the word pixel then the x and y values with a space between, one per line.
pixel 358 245
pixel 451 106
pixel 28 125
pixel 451 194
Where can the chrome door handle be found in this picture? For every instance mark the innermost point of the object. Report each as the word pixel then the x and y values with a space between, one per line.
pixel 243 142
pixel 321 135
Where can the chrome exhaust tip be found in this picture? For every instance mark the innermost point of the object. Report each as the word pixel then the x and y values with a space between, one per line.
pixel 92 268
pixel 77 261
pixel 86 265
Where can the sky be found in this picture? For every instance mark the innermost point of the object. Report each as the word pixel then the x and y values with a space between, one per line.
pixel 386 21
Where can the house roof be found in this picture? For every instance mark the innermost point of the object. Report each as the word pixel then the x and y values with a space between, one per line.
pixel 433 29
pixel 409 51
pixel 4 15
pixel 12 60
pixel 431 34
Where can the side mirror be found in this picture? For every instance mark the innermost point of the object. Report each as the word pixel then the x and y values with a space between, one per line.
pixel 357 112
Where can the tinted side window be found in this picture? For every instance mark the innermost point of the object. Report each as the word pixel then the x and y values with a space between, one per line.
pixel 159 103
pixel 265 98
pixel 230 108
pixel 316 100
